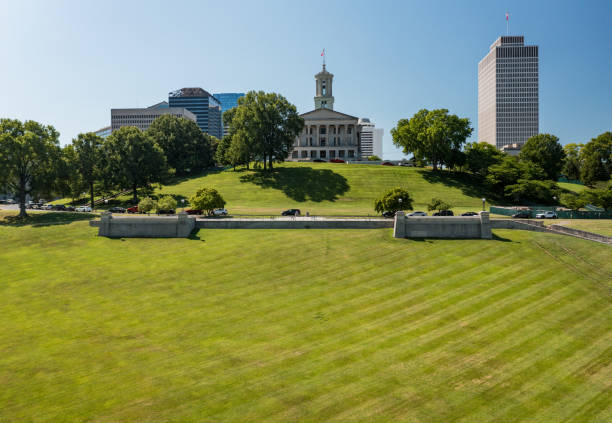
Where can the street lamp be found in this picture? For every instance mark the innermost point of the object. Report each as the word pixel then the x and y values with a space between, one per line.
pixel 183 201
pixel 483 203
pixel 400 201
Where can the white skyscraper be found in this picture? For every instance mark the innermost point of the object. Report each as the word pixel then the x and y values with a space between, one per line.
pixel 370 139
pixel 508 102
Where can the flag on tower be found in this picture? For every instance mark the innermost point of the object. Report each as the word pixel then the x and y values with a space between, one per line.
pixel 323 53
pixel 506 15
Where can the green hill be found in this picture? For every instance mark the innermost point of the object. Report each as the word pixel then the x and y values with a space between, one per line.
pixel 331 188
pixel 304 325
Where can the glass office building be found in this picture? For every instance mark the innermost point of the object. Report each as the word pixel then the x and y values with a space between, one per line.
pixel 202 104
pixel 228 101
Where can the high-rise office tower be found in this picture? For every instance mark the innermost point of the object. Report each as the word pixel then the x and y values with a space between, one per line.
pixel 202 104
pixel 370 141
pixel 228 101
pixel 508 104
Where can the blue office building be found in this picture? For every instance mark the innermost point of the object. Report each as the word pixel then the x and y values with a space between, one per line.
pixel 202 104
pixel 228 101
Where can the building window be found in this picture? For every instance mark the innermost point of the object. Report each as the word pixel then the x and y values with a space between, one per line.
pixel 322 142
pixel 294 154
pixel 350 130
pixel 332 154
pixel 351 153
pixel 313 154
pixel 323 88
pixel 322 130
pixel 322 154
pixel 340 153
pixel 304 154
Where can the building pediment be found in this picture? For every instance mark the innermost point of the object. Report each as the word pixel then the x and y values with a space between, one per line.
pixel 326 114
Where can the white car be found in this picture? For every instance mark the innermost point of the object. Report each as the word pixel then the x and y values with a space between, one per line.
pixel 546 215
pixel 417 213
pixel 83 209
pixel 219 212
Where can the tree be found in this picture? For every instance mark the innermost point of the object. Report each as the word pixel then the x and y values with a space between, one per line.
pixel 270 124
pixel 480 156
pixel 509 171
pixel 133 159
pixel 374 158
pixel 207 199
pixel 88 158
pixel 438 204
pixel 69 179
pixel 186 147
pixel 543 192
pixel 393 200
pixel 165 203
pixel 573 201
pixel 545 151
pixel 239 151
pixel 146 205
pixel 572 165
pixel 599 197
pixel 596 159
pixel 29 156
pixel 431 135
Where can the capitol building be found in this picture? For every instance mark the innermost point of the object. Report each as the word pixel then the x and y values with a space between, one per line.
pixel 329 134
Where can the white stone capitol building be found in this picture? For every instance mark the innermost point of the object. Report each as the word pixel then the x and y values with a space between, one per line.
pixel 327 134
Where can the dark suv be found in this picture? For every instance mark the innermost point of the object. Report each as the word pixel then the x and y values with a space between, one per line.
pixel 291 212
pixel 522 215
pixel 444 213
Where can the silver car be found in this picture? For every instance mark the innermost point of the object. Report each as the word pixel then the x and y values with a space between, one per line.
pixel 417 213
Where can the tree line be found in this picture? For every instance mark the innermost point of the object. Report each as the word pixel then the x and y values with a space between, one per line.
pixel 438 138
pixel 33 163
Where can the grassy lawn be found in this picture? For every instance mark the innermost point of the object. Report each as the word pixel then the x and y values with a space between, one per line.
pixel 576 188
pixel 331 188
pixel 339 325
pixel 598 226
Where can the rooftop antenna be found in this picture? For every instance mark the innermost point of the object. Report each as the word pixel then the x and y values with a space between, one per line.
pixel 507 24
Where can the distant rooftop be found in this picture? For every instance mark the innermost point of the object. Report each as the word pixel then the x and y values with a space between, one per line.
pixel 508 41
pixel 190 92
pixel 160 105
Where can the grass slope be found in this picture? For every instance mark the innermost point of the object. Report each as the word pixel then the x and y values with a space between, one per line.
pixel 598 226
pixel 331 188
pixel 306 325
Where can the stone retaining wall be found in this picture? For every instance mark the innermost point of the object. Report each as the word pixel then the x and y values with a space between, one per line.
pixel 451 227
pixel 582 234
pixel 111 226
pixel 294 223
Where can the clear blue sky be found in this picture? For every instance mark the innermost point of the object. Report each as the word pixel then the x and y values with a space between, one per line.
pixel 67 63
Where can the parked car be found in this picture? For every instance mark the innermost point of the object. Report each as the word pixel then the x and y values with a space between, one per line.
pixel 69 208
pixel 408 164
pixel 165 211
pixel 417 213
pixel 546 215
pixel 87 209
pixel 58 207
pixel 219 212
pixel 469 214
pixel 444 213
pixel 113 209
pixel 388 214
pixel 387 164
pixel 523 214
pixel 193 211
pixel 319 160
pixel 291 212
pixel 133 209
pixel 337 161
pixel 47 207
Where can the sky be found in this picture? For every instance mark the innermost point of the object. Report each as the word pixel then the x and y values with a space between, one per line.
pixel 67 63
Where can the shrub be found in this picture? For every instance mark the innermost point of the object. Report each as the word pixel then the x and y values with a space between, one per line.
pixel 438 204
pixel 390 201
pixel 207 199
pixel 374 159
pixel 146 205
pixel 573 201
pixel 166 203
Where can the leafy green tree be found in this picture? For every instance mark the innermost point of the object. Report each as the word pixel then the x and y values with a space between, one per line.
pixel 438 204
pixel 393 200
pixel 456 159
pixel 166 203
pixel 133 160
pixel 186 147
pixel 207 199
pixel 239 151
pixel 29 157
pixel 222 148
pixel 599 197
pixel 69 180
pixel 480 156
pixel 270 124
pixel 572 165
pixel 146 205
pixel 573 201
pixel 543 192
pixel 545 151
pixel 431 135
pixel 87 159
pixel 596 159
pixel 509 171
pixel 374 158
